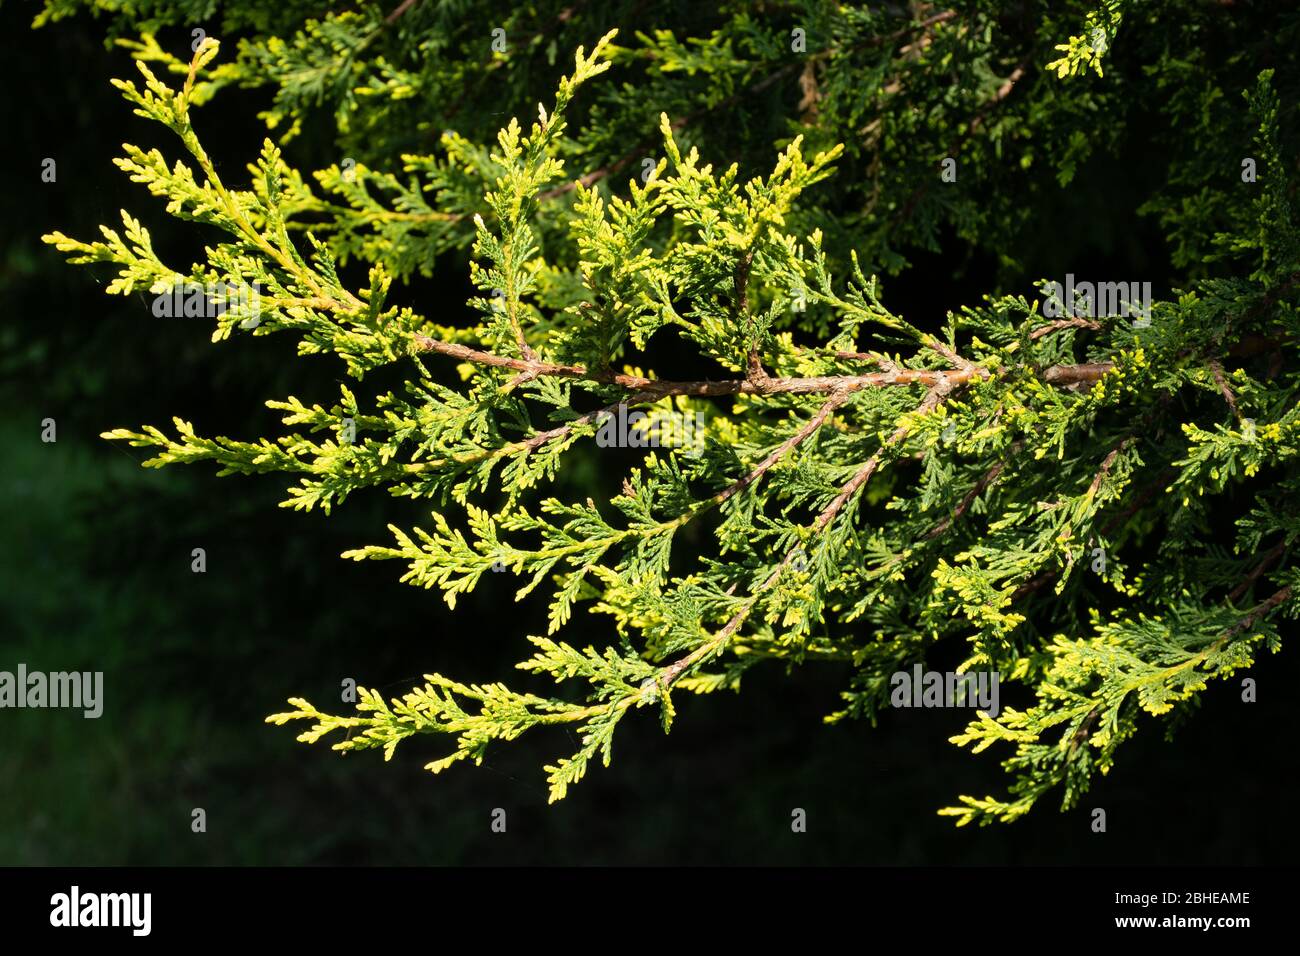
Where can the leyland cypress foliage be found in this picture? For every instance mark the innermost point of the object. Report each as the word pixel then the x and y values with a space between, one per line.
pixel 1094 495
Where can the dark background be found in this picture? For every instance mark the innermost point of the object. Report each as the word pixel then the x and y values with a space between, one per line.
pixel 95 575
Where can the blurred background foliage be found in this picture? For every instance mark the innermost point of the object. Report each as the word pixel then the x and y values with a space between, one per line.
pixel 95 557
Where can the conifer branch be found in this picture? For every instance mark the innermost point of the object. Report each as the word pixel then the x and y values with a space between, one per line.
pixel 1021 445
pixel 765 384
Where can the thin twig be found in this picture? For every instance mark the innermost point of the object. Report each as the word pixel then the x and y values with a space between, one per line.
pixel 814 423
pixel 1106 464
pixel 1059 324
pixel 1081 374
pixel 989 477
pixel 1258 611
pixel 1216 369
pixel 764 385
pixel 1269 556
pixel 398 11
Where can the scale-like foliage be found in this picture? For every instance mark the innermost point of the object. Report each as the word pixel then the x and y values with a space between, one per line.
pixel 871 488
